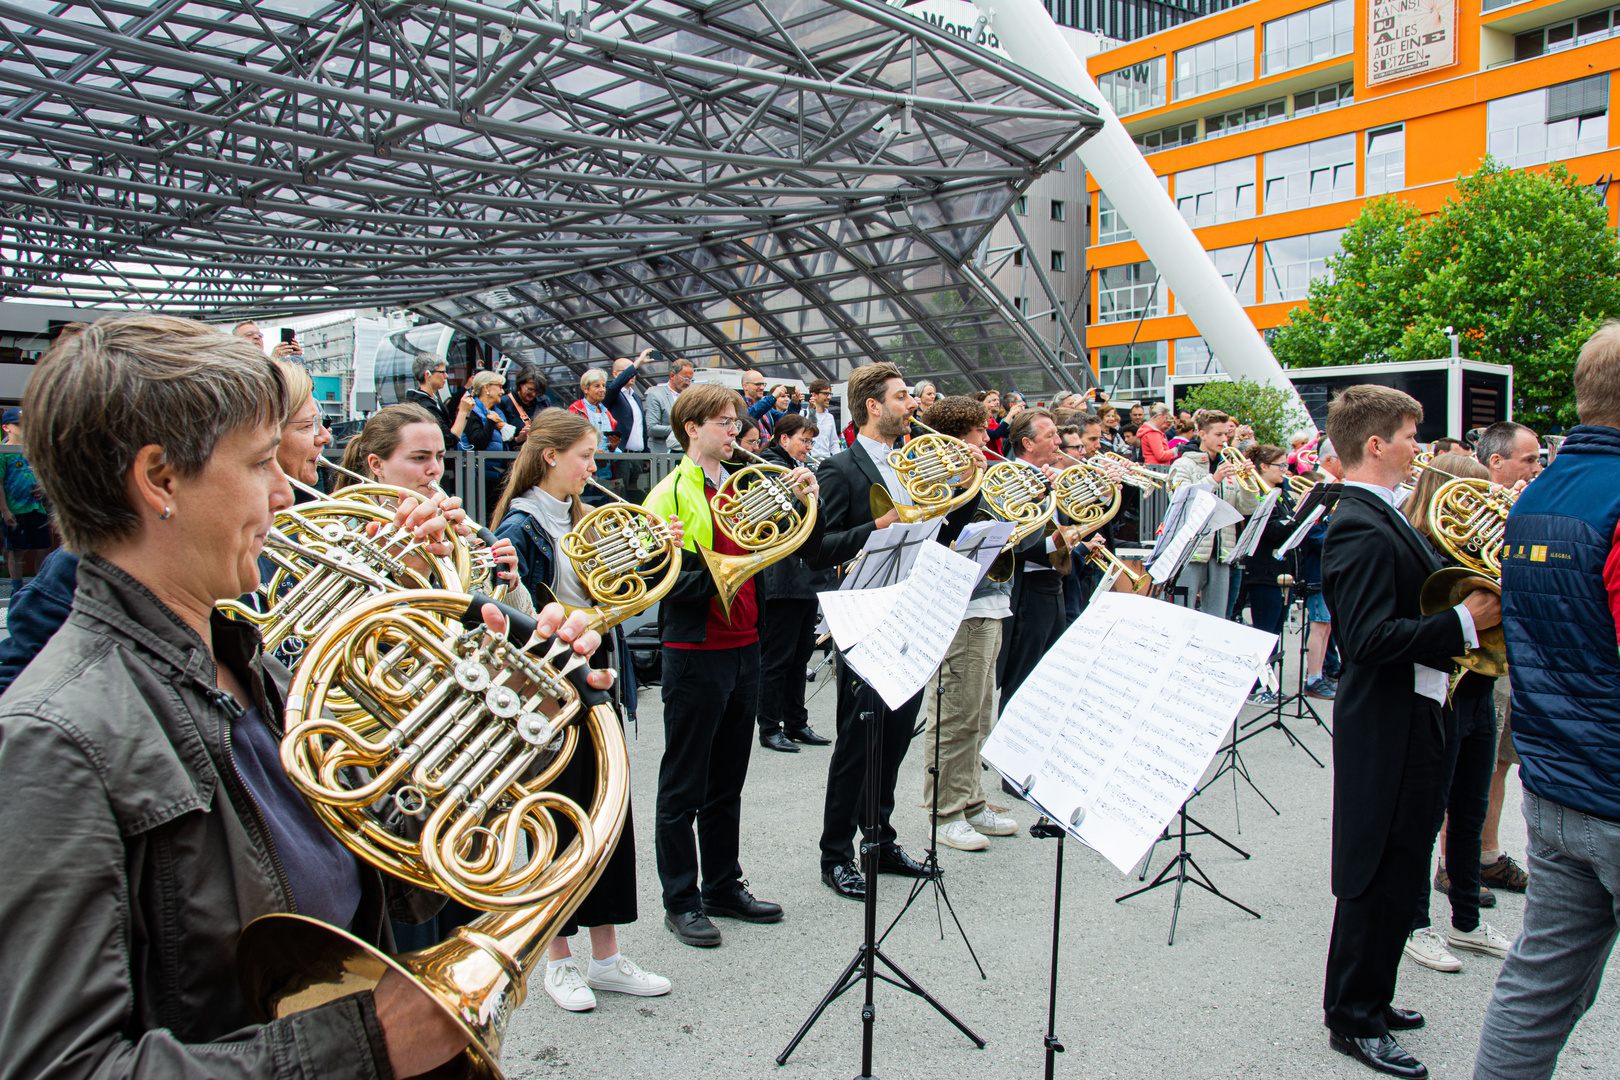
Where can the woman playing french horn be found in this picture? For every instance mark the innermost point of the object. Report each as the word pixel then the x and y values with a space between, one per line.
pixel 140 837
pixel 540 507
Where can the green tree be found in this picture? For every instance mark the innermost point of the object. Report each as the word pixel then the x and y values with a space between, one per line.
pixel 1523 265
pixel 1269 410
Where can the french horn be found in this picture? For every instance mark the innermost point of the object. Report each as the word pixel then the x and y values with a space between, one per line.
pixel 625 556
pixel 1468 520
pixel 756 509
pixel 938 473
pixel 459 732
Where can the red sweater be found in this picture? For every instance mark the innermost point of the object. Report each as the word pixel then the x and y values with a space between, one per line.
pixel 1155 447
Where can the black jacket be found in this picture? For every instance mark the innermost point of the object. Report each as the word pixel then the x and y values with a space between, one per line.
pixel 1373 568
pixel 618 407
pixel 134 856
pixel 847 480
pixel 419 397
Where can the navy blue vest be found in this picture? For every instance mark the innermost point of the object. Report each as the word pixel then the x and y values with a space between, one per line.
pixel 1562 655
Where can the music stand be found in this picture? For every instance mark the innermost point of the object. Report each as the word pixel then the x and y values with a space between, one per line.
pixel 1276 713
pixel 1042 830
pixel 1176 870
pixel 936 873
pixel 862 968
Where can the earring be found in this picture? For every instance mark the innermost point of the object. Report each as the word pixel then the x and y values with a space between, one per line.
pixel 166 513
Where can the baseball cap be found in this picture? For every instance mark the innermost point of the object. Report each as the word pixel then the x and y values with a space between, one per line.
pixel 12 415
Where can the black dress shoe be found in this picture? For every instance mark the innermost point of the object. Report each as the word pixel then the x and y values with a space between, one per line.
pixel 1402 1019
pixel 894 860
pixel 806 736
pixel 1382 1054
pixel 693 928
pixel 777 741
pixel 741 904
pixel 845 880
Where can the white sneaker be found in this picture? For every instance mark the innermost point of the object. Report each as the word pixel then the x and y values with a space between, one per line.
pixel 1485 939
pixel 625 977
pixel 962 836
pixel 991 823
pixel 1429 949
pixel 567 987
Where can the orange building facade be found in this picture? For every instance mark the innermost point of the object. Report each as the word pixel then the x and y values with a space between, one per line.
pixel 1272 123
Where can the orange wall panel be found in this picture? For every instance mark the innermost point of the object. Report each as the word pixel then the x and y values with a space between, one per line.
pixel 1441 145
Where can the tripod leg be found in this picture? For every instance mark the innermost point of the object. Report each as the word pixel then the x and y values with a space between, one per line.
pixel 844 982
pixel 1053 1047
pixel 1181 880
pixel 916 988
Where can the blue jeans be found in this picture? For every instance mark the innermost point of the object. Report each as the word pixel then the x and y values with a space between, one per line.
pixel 1552 973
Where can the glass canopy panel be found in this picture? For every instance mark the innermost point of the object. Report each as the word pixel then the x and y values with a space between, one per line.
pixel 798 183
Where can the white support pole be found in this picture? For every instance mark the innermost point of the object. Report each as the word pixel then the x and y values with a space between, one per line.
pixel 1034 42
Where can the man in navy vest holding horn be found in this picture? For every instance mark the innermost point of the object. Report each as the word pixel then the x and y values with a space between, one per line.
pixel 1560 599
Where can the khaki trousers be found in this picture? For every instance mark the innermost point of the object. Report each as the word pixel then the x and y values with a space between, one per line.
pixel 960 701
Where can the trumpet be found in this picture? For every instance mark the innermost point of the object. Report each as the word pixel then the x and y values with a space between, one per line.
pixel 1247 476
pixel 1138 476
pixel 759 512
pixel 1300 486
pixel 938 472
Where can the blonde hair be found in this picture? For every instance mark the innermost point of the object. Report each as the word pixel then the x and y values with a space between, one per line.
pixel 484 378
pixel 300 386
pixel 1441 471
pixel 552 429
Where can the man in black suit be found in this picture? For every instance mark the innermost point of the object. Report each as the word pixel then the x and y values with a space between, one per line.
pixel 1388 739
pixel 1037 619
pixel 878 398
pixel 629 412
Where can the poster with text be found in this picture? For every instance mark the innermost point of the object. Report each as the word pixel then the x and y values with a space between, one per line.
pixel 1409 37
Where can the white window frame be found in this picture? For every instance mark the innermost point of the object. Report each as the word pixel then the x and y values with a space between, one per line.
pixel 1238 267
pixel 1111 227
pixel 1136 88
pixel 1218 193
pixel 1311 174
pixel 1215 64
pixel 1292 41
pixel 1518 132
pixel 1288 277
pixel 1385 169
pixel 1125 301
pixel 1145 370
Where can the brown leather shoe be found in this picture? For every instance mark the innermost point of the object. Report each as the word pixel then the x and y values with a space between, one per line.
pixel 1504 873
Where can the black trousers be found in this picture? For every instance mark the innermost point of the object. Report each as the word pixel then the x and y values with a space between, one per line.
pixel 1370 930
pixel 846 774
pixel 1465 790
pixel 1037 621
pixel 709 698
pixel 784 650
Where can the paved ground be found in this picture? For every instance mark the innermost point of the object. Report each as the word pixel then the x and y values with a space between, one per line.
pixel 1234 997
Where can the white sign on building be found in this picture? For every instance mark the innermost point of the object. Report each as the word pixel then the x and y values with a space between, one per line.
pixel 1409 37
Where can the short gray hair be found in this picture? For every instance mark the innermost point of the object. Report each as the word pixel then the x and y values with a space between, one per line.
pixel 424 363
pixel 592 375
pixel 1159 408
pixel 483 379
pixel 1498 439
pixel 131 381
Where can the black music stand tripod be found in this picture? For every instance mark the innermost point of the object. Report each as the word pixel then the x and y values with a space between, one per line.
pixel 862 968
pixel 1176 870
pixel 936 874
pixel 1302 705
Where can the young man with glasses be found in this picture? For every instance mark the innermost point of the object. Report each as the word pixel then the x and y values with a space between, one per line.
pixel 710 685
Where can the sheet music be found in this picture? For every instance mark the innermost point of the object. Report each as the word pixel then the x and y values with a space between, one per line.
pixel 1249 539
pixel 1298 535
pixel 982 542
pixel 849 614
pixel 901 650
pixel 1173 515
pixel 1171 555
pixel 1123 715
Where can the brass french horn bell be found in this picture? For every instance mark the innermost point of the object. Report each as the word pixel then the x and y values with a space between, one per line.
pixel 461 732
pixel 938 473
pixel 759 512
pixel 1468 520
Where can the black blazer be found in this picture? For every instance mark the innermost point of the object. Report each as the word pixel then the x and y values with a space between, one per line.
pixel 846 482
pixel 1373 567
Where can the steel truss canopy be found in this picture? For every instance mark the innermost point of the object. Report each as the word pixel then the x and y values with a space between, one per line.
pixel 801 185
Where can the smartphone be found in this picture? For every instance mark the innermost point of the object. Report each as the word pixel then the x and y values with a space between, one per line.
pixel 656 356
pixel 287 334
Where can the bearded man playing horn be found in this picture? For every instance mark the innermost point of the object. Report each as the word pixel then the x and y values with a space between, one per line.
pixel 147 817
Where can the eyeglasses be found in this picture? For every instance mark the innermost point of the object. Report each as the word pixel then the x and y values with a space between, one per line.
pixel 731 426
